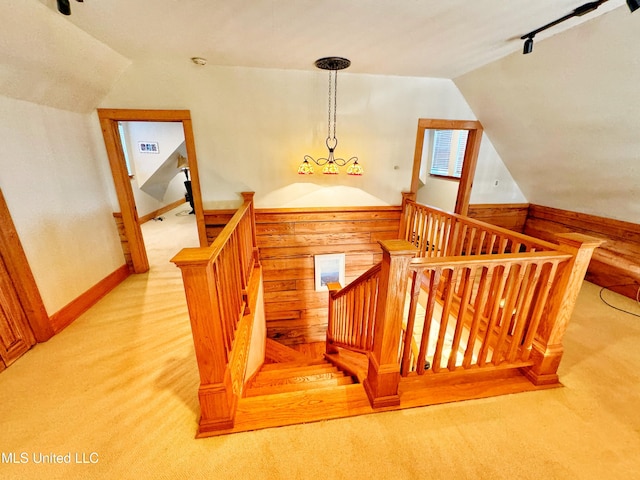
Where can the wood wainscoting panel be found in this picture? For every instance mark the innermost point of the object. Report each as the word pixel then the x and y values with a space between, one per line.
pixel 215 221
pixel 289 238
pixel 506 215
pixel 615 264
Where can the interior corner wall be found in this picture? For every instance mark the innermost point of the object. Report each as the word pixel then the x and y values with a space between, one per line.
pixel 564 119
pixel 54 184
pixel 253 128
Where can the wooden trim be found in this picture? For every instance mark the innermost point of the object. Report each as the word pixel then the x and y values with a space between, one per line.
pixel 132 115
pixel 21 275
pixel 109 119
pixel 615 264
pixel 160 211
pixel 67 314
pixel 315 210
pixel 470 156
pixel 506 215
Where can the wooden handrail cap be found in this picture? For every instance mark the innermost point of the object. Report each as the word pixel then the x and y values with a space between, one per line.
pixel 398 247
pixel 579 239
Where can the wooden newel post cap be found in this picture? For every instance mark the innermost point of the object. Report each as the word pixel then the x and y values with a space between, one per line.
pixel 398 247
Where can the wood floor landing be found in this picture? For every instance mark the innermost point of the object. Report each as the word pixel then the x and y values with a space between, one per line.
pixel 314 403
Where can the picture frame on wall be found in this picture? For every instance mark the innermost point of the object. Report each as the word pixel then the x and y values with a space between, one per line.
pixel 329 268
pixel 148 147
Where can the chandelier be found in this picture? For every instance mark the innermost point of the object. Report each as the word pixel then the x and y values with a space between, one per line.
pixel 330 165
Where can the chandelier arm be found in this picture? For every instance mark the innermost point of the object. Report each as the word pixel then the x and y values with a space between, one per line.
pixel 341 162
pixel 320 162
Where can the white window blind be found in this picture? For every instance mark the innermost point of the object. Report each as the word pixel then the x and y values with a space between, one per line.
pixel 447 156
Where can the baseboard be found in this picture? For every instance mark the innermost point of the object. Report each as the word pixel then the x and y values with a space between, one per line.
pixel 160 211
pixel 70 312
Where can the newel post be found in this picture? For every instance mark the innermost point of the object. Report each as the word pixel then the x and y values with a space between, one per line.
pixel 217 400
pixel 547 346
pixel 383 377
pixel 406 197
pixel 248 197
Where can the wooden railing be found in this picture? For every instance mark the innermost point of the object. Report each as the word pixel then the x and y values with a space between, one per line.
pixel 352 312
pixel 219 281
pixel 492 299
pixel 437 233
pixel 478 311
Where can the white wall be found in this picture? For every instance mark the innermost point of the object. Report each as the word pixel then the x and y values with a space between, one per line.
pixel 253 127
pixel 58 193
pixel 564 118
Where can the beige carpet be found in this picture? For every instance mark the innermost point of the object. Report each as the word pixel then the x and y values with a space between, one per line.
pixel 119 386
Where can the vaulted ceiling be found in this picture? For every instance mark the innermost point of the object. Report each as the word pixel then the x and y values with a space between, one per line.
pixel 564 119
pixel 425 38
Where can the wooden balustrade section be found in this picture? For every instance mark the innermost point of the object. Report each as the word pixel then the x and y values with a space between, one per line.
pixel 352 312
pixel 437 233
pixel 221 283
pixel 494 301
pixel 480 311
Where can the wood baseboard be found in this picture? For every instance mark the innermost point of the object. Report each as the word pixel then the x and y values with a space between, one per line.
pixel 160 211
pixel 70 312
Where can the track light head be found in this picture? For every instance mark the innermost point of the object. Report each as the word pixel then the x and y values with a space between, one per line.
pixel 64 7
pixel 633 5
pixel 528 46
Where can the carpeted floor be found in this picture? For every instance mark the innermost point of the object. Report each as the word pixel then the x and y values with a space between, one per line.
pixel 118 388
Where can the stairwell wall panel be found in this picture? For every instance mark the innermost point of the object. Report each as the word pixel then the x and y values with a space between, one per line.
pixel 289 239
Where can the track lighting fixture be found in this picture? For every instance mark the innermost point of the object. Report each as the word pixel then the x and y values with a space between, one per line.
pixel 64 7
pixel 578 12
pixel 528 45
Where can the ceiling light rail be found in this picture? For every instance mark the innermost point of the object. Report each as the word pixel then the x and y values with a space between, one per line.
pixel 578 12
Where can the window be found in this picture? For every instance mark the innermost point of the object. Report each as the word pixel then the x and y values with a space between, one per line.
pixel 447 155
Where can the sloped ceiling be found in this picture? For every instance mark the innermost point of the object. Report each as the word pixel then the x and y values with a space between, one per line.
pixel 423 38
pixel 566 118
pixel 563 119
pixel 46 60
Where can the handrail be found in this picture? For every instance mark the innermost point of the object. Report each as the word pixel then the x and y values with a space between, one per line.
pixel 352 312
pixel 438 233
pixel 504 299
pixel 217 279
pixel 487 308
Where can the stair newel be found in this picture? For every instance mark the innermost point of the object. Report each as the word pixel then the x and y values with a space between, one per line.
pixel 383 376
pixel 547 346
pixel 248 197
pixel 333 287
pixel 217 400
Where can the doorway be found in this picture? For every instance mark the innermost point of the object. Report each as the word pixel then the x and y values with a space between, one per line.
pixel 453 176
pixel 110 120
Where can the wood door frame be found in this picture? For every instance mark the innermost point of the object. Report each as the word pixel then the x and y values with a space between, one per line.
pixel 109 119
pixel 21 276
pixel 470 156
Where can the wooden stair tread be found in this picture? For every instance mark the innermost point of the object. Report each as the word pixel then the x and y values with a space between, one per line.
pixel 300 406
pixel 277 352
pixel 356 364
pixel 326 403
pixel 296 371
pixel 295 379
pixel 298 363
pixel 297 386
